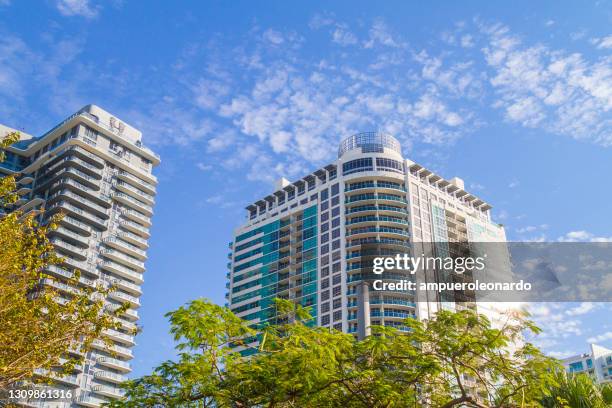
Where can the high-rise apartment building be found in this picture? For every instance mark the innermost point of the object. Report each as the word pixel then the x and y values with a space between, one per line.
pixel 311 240
pixel 597 364
pixel 93 168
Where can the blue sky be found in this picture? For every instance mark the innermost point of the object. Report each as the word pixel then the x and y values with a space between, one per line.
pixel 514 98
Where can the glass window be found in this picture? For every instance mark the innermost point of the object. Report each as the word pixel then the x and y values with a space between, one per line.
pixel 324 194
pixel 354 166
pixel 335 189
pixel 384 164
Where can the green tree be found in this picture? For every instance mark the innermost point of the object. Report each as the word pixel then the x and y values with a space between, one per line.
pixel 454 360
pixel 577 391
pixel 38 326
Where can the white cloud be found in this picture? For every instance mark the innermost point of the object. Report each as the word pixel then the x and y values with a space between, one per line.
pixel 583 308
pixel 603 43
pixel 341 35
pixel 583 236
pixel 380 35
pixel 578 35
pixel 531 228
pixel 540 87
pixel 476 186
pixel 514 184
pixel 273 36
pixel 209 92
pixel 560 355
pixel 602 337
pixel 204 167
pixel 503 215
pixel 467 41
pixel 77 8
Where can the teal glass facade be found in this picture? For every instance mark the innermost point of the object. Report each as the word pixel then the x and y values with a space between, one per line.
pixel 281 262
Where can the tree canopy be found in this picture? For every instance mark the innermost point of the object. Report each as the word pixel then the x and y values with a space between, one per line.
pixel 38 324
pixel 456 359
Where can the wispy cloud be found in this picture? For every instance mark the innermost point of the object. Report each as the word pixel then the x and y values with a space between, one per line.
pixel 545 88
pixel 82 8
pixel 603 43
pixel 602 337
pixel 583 236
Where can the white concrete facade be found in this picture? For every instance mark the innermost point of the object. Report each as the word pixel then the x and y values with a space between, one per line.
pixel 370 198
pixel 93 168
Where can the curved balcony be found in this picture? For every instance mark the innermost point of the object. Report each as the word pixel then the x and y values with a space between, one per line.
pixel 76 225
pixel 77 213
pixel 392 232
pixel 392 210
pixel 122 271
pixel 362 210
pixel 62 287
pixel 124 259
pixel 55 176
pixel 395 301
pixel 63 273
pixel 96 197
pixel 125 247
pixel 386 242
pixel 114 363
pixel 136 181
pixel 365 198
pixel 373 219
pixel 84 166
pixel 91 401
pixel 71 250
pixel 134 192
pixel 113 348
pixel 110 377
pixel 390 198
pixel 129 314
pixel 80 202
pixel 90 181
pixel 70 380
pixel 134 239
pixel 70 237
pixel 134 227
pixel 69 158
pixel 112 392
pixel 83 267
pixel 117 336
pixel 131 202
pixel 87 156
pixel 372 186
pixel 124 297
pixel 126 286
